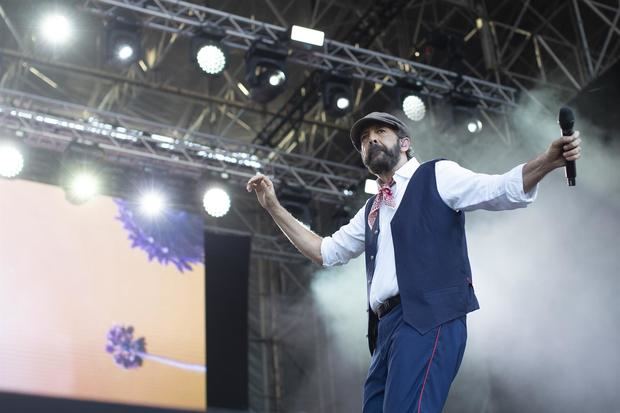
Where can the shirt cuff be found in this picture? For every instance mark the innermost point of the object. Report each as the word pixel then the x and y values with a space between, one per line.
pixel 514 187
pixel 327 260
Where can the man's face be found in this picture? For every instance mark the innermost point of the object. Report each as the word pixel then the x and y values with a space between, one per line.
pixel 380 149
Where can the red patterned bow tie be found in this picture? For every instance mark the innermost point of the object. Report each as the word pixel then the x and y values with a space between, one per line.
pixel 384 197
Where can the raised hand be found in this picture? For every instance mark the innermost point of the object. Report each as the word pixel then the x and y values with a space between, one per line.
pixel 265 191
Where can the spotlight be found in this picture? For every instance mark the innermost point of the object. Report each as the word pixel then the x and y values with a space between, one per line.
pixel 308 36
pixel 80 177
pixel 152 203
pixel 82 187
pixel 414 108
pixel 123 42
pixel 55 29
pixel 337 94
pixel 265 69
pixel 208 51
pixel 216 202
pixel 408 90
pixel 474 125
pixel 11 159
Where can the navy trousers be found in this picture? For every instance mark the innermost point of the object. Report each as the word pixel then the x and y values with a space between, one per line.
pixel 411 372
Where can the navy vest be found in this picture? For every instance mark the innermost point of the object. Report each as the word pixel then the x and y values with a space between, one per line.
pixel 432 265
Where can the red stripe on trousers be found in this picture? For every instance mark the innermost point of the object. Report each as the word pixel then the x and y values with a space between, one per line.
pixel 428 369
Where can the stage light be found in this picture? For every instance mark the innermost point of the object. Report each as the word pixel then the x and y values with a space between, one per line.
pixel 308 36
pixel 409 95
pixel 414 108
pixel 337 94
pixel 265 69
pixel 474 125
pixel 216 202
pixel 208 51
pixel 277 78
pixel 124 52
pixel 211 59
pixel 11 159
pixel 80 171
pixel 123 42
pixel 55 29
pixel 370 186
pixel 342 103
pixel 152 203
pixel 82 187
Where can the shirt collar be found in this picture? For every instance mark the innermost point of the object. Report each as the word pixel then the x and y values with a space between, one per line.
pixel 405 172
pixel 408 169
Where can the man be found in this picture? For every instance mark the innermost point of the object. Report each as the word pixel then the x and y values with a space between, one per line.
pixel 418 273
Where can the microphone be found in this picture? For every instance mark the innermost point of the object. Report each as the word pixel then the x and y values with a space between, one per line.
pixel 566 120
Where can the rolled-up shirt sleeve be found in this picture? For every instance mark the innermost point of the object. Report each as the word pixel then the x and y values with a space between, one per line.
pixel 465 190
pixel 346 243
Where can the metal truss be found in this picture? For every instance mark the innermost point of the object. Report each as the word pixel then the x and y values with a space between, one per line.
pixel 186 18
pixel 559 61
pixel 52 124
pixel 367 28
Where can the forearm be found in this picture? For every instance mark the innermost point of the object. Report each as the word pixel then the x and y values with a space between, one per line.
pixel 306 241
pixel 535 170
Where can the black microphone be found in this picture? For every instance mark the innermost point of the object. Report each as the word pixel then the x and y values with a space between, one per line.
pixel 567 121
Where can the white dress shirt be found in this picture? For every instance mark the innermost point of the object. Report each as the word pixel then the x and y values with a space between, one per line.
pixel 460 188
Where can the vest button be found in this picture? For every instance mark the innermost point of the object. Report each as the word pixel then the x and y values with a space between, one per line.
pixel 376 232
pixel 372 257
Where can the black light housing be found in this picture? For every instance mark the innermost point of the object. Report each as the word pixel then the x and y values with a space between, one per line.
pixel 337 92
pixel 265 69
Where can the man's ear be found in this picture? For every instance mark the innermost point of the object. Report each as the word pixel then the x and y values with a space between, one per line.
pixel 404 142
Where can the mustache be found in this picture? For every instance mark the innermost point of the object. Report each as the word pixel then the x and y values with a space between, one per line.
pixel 376 148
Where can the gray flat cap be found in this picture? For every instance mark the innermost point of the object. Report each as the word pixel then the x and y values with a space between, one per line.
pixel 372 119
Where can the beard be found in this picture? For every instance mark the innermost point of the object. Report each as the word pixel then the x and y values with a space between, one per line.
pixel 381 159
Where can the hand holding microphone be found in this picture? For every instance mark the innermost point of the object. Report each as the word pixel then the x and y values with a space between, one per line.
pixel 570 146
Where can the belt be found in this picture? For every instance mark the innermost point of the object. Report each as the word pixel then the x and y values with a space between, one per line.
pixel 387 306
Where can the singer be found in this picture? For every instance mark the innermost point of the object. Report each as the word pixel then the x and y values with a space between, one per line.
pixel 419 280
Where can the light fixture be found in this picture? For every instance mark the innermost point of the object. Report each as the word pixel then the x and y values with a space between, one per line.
pixel 11 158
pixel 55 29
pixel 82 186
pixel 414 108
pixel 409 95
pixel 370 186
pixel 123 42
pixel 81 171
pixel 337 93
pixel 208 51
pixel 308 36
pixel 474 125
pixel 152 203
pixel 216 202
pixel 265 69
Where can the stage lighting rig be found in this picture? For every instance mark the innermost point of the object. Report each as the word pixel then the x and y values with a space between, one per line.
pixel 208 51
pixel 337 93
pixel 265 69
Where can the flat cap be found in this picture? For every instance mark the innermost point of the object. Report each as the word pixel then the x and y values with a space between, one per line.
pixel 372 119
